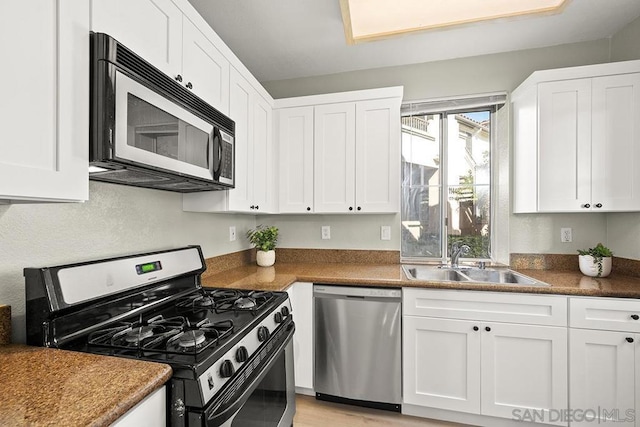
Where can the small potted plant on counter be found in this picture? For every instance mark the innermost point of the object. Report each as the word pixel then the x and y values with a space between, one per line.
pixel 595 262
pixel 264 239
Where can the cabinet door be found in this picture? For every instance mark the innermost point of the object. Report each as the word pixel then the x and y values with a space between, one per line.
pixel 602 373
pixel 616 143
pixel 564 145
pixel 334 158
pixel 441 363
pixel 205 68
pixel 45 100
pixel 301 295
pixel 378 155
pixel 262 155
pixel 523 367
pixel 151 28
pixel 241 111
pixel 295 135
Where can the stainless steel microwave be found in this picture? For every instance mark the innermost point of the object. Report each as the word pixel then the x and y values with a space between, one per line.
pixel 149 131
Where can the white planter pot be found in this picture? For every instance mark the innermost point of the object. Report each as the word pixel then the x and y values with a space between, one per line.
pixel 266 259
pixel 590 268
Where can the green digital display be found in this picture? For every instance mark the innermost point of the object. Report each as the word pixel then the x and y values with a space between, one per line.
pixel 148 267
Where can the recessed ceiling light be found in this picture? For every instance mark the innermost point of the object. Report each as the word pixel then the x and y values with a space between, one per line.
pixel 366 20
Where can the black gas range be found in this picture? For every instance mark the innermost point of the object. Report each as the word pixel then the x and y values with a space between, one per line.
pixel 230 349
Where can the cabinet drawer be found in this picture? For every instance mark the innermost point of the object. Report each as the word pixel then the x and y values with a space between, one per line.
pixel 548 310
pixel 611 314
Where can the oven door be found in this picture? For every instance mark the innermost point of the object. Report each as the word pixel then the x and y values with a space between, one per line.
pixel 267 401
pixel 152 130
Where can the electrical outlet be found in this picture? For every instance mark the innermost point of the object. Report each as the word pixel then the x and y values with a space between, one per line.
pixel 232 233
pixel 385 232
pixel 566 235
pixel 326 232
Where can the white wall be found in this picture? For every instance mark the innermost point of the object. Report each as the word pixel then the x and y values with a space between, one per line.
pixel 356 231
pixel 117 220
pixel 625 45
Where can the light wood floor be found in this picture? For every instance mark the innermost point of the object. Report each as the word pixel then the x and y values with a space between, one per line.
pixel 315 413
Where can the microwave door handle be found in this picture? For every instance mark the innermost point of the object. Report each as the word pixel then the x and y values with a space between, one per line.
pixel 217 140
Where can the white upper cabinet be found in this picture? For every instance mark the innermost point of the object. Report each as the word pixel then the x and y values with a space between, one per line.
pixel 577 140
pixel 45 111
pixel 564 145
pixel 295 132
pixel 205 70
pixel 340 153
pixel 158 31
pixel 615 150
pixel 151 28
pixel 378 155
pixel 335 158
pixel 253 192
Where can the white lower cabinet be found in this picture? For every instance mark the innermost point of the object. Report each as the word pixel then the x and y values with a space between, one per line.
pixel 150 411
pixel 523 367
pixel 485 366
pixel 604 360
pixel 441 363
pixel 301 296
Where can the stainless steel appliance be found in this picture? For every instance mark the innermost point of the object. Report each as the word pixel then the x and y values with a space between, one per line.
pixel 149 131
pixel 230 349
pixel 357 346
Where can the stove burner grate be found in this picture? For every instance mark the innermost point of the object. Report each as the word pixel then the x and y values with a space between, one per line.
pixel 237 300
pixel 134 335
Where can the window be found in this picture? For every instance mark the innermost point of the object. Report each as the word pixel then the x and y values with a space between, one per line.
pixel 446 178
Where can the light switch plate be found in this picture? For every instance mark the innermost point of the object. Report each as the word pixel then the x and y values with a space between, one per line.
pixel 232 233
pixel 326 232
pixel 385 232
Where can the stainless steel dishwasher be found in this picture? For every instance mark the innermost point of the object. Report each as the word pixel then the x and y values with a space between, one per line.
pixel 357 345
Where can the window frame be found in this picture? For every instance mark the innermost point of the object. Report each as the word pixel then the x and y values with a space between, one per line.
pixel 493 103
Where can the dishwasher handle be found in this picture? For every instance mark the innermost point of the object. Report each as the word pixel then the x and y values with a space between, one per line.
pixel 355 292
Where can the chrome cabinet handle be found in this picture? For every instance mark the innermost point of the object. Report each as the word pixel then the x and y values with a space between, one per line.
pixel 586 206
pixel 179 78
pixel 189 85
pixel 598 205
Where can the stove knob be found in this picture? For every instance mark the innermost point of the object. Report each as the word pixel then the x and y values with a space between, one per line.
pixel 285 311
pixel 242 354
pixel 277 317
pixel 263 333
pixel 226 369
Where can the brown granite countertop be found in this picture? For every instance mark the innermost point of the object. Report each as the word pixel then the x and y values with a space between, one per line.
pixel 282 275
pixel 50 387
pixel 5 324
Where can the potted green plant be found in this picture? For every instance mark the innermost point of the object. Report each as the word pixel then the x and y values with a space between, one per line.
pixel 264 238
pixel 595 262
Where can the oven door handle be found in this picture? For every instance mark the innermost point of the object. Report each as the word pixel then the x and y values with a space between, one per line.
pixel 220 414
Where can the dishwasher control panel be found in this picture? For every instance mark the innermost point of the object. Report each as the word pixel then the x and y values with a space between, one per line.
pixel 354 291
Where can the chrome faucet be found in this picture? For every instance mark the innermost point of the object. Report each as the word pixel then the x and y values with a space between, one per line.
pixel 456 251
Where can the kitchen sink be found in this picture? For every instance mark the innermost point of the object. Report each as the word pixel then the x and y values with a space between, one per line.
pixel 499 276
pixel 423 272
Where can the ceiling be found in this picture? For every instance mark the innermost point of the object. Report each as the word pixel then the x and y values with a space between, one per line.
pixel 284 39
